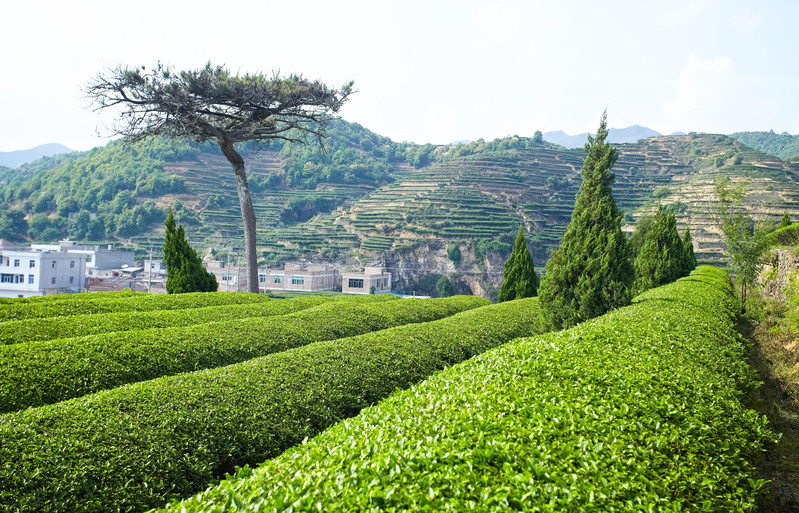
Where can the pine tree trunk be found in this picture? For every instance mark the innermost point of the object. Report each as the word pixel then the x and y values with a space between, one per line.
pixel 247 213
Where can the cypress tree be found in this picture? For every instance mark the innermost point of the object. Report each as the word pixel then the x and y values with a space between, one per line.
pixel 662 256
pixel 184 269
pixel 688 257
pixel 519 278
pixel 590 272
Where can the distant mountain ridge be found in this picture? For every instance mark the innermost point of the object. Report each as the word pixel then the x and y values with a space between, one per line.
pixel 631 134
pixel 16 158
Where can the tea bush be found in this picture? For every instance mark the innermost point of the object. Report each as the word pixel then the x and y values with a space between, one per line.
pixel 38 373
pixel 637 410
pixel 74 304
pixel 134 447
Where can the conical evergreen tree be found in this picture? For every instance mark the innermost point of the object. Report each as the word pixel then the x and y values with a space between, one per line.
pixel 590 272
pixel 786 220
pixel 661 259
pixel 184 269
pixel 519 278
pixel 688 257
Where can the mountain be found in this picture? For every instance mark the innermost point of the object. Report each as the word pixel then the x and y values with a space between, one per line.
pixel 631 134
pixel 784 145
pixel 367 199
pixel 14 159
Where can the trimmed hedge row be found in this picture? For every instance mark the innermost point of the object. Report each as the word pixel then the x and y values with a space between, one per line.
pixel 639 410
pixel 45 372
pixel 136 446
pixel 88 303
pixel 69 297
pixel 67 326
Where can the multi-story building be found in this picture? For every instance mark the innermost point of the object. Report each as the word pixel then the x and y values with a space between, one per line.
pixel 373 280
pixel 26 272
pixel 299 278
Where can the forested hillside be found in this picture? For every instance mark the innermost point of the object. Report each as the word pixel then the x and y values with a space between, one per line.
pixel 364 197
pixel 784 146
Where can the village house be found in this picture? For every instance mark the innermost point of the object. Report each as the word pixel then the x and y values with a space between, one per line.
pixel 373 280
pixel 34 271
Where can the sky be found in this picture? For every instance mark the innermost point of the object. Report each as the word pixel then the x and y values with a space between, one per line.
pixel 425 71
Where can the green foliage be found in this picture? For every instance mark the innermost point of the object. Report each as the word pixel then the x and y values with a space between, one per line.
pixel 454 254
pixel 590 272
pixel 112 302
pixel 638 410
pixel 80 325
pixel 782 145
pixel 662 256
pixel 444 287
pixel 785 221
pixel 636 240
pixel 184 269
pixel 745 240
pixel 519 279
pixel 37 373
pixel 688 257
pixel 135 447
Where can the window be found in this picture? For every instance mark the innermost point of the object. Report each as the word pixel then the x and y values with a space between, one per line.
pixel 88 259
pixel 32 264
pixel 53 264
pixel 298 280
pixel 19 278
pixel 72 279
pixel 278 279
pixel 261 278
pixel 356 283
pixel 52 280
pixel 71 264
pixel 16 262
pixel 6 278
pixel 30 279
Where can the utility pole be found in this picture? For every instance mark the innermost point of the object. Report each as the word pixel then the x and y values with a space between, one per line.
pixel 150 270
pixel 227 272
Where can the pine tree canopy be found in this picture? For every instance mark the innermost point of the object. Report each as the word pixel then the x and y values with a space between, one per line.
pixel 519 278
pixel 590 272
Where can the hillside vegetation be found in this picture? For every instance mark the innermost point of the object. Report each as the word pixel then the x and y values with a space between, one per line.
pixel 365 197
pixel 784 145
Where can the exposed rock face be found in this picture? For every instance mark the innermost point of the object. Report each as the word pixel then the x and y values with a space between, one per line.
pixel 775 275
pixel 418 269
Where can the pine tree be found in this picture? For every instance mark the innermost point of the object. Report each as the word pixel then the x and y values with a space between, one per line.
pixel 590 272
pixel 661 259
pixel 688 257
pixel 519 278
pixel 184 269
pixel 786 220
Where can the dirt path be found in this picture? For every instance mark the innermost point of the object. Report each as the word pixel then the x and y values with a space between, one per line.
pixel 777 399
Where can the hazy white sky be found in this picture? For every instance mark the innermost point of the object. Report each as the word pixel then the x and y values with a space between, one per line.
pixel 426 71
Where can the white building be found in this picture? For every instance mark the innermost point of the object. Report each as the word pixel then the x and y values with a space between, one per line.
pixel 33 271
pixel 373 280
pixel 101 260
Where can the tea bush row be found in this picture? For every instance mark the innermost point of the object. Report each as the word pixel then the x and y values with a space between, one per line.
pixel 136 446
pixel 639 410
pixel 87 303
pixel 67 326
pixel 44 372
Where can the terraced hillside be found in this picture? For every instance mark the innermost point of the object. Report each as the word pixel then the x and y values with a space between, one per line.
pixel 485 196
pixel 366 198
